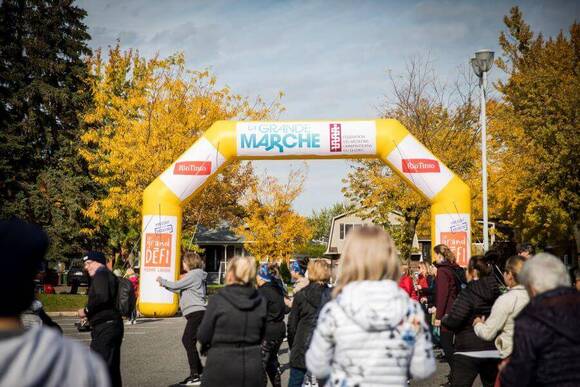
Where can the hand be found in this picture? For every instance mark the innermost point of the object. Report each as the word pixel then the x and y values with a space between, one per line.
pixel 432 310
pixel 478 320
pixel 81 313
pixel 437 323
pixel 423 300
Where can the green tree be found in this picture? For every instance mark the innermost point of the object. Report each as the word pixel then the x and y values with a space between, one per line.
pixel 537 133
pixel 42 92
pixel 321 220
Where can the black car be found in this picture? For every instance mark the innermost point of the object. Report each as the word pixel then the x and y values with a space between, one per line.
pixel 76 275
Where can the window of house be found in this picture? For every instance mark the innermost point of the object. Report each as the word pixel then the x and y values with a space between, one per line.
pixel 345 229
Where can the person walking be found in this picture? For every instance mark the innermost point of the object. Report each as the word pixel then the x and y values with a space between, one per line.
pixel 134 279
pixel 101 311
pixel 232 330
pixel 275 327
pixel 371 333
pixel 302 318
pixel 448 282
pixel 546 343
pixel 38 356
pixel 500 323
pixel 193 302
pixel 473 356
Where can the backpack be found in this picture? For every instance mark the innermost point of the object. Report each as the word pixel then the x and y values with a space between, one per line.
pixel 460 279
pixel 125 297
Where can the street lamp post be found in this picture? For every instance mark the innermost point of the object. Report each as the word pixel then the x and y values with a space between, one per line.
pixel 482 63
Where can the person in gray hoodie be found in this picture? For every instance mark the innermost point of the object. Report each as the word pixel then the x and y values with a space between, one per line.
pixel 39 356
pixel 193 302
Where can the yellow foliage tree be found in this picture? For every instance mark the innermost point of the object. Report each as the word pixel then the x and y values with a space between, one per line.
pixel 274 230
pixel 146 113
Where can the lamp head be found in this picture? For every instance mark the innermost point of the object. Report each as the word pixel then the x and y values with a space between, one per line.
pixel 485 59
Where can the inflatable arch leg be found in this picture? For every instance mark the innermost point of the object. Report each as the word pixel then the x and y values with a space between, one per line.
pixel 225 141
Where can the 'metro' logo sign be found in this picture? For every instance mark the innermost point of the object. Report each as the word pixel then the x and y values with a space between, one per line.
pixel 192 168
pixel 420 166
pixel 335 137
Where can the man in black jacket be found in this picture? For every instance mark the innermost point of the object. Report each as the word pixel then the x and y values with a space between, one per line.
pixel 101 311
pixel 547 336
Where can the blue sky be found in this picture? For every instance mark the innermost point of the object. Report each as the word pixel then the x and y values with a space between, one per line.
pixel 330 58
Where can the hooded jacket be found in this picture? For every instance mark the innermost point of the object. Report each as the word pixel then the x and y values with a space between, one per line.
pixel 474 301
pixel 302 320
pixel 372 334
pixel 277 309
pixel 191 289
pixel 42 357
pixel 546 342
pixel 233 328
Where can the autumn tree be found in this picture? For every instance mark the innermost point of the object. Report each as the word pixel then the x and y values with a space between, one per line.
pixel 535 133
pixel 43 45
pixel 146 113
pixel 273 228
pixel 445 121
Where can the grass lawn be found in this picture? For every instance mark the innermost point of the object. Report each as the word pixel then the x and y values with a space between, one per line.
pixel 62 302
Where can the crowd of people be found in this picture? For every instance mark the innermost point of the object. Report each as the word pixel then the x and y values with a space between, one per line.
pixel 375 324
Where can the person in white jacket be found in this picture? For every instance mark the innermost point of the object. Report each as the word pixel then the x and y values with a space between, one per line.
pixel 371 333
pixel 500 323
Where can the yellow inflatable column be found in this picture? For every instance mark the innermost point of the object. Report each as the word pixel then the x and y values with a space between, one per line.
pixel 163 201
pixel 449 196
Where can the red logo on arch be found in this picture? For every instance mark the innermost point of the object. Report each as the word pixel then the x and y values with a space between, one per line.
pixel 192 168
pixel 421 166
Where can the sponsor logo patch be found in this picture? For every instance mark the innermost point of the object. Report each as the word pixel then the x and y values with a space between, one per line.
pixel 157 250
pixel 335 137
pixel 420 166
pixel 195 168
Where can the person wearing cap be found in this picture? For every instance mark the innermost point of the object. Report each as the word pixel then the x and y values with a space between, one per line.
pixel 275 327
pixel 101 311
pixel 39 356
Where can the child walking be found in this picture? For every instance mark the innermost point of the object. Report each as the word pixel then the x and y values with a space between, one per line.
pixel 193 302
pixel 371 333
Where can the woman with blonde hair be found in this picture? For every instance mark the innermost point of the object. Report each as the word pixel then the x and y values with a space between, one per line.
pixel 371 333
pixel 233 329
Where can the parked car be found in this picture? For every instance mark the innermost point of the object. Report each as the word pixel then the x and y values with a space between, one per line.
pixel 76 275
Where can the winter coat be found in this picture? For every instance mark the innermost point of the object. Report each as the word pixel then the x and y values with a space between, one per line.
pixel 406 283
pixel 233 327
pixel 191 289
pixel 372 334
pixel 302 320
pixel 43 357
pixel 501 319
pixel 546 342
pixel 274 296
pixel 446 289
pixel 474 301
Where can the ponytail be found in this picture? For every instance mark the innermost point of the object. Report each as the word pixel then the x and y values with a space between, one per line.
pixel 445 252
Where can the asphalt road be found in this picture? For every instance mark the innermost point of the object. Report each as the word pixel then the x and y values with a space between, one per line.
pixel 152 354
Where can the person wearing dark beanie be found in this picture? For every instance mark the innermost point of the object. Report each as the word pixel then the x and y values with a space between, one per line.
pixel 39 356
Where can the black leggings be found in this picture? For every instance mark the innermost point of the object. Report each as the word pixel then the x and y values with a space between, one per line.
pixel 189 341
pixel 107 338
pixel 270 350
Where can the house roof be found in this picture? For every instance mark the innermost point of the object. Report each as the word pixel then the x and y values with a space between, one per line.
pixel 219 235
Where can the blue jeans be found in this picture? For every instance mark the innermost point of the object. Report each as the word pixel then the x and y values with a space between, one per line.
pixel 296 377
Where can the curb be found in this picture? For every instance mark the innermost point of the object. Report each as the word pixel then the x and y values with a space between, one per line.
pixel 63 314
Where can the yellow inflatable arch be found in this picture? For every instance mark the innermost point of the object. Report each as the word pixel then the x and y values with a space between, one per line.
pixel 225 141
